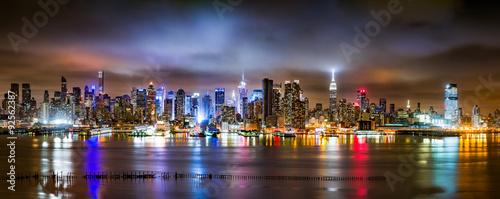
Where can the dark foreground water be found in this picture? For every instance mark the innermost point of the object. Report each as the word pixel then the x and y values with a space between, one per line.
pixel 416 167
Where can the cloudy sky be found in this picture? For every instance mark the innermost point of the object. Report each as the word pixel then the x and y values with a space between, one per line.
pixel 202 44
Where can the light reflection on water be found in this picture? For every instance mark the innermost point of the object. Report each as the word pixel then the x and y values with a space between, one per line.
pixel 446 167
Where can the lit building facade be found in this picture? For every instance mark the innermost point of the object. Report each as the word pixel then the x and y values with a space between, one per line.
pixel 451 112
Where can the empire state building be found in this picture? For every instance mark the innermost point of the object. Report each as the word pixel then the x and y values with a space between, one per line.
pixel 333 99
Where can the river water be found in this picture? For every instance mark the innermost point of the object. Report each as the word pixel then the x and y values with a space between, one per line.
pixel 414 167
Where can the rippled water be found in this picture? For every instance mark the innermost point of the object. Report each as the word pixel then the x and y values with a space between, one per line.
pixel 418 167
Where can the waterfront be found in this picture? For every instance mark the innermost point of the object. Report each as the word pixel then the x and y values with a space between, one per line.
pixel 450 167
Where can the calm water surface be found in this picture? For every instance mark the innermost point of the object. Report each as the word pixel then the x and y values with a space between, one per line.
pixel 451 167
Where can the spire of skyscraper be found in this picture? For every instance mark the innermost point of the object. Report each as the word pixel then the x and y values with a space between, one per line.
pixel 101 82
pixel 333 98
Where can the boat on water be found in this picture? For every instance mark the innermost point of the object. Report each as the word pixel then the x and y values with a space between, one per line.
pixel 287 133
pixel 97 131
pixel 329 133
pixel 249 133
pixel 196 132
pixel 143 131
pixel 212 131
pixel 368 132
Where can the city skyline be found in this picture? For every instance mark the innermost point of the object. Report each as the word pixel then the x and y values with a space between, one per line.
pixel 325 101
pixel 412 58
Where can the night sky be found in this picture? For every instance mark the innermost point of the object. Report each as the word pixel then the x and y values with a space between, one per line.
pixel 198 46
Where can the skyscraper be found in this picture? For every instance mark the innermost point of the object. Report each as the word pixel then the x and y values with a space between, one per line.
pixel 219 99
pixel 242 93
pixel 362 100
pixel 169 106
pixel 451 114
pixel 476 117
pixel 141 104
pixel 151 103
pixel 159 100
pixel 77 93
pixel 14 87
pixel 276 106
pixel 26 96
pixel 100 75
pixel 206 108
pixel 333 114
pixel 187 105
pixel 383 105
pixel 180 99
pixel 267 108
pixel 44 112
pixel 195 104
pixel 64 89
pixel 293 105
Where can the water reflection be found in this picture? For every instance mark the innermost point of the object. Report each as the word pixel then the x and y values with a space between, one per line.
pixel 445 167
pixel 92 165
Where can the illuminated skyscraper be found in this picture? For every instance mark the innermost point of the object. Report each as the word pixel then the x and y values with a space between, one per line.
pixel 383 105
pixel 64 89
pixel 267 107
pixel 206 108
pixel 169 106
pixel 14 87
pixel 476 117
pixel 219 99
pixel 333 99
pixel 257 94
pixel 451 114
pixel 293 106
pixel 180 99
pixel 362 100
pixel 195 104
pixel 77 94
pixel 26 96
pixel 242 93
pixel 141 104
pixel 151 104
pixel 100 75
pixel 44 112
pixel 159 100
pixel 187 105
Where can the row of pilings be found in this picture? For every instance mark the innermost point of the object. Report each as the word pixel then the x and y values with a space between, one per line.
pixel 131 175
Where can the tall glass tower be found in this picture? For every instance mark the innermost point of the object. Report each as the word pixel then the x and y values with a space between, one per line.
pixel 451 115
pixel 333 98
pixel 242 93
pixel 219 99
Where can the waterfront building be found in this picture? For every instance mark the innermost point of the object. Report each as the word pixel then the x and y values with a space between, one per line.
pixel 100 76
pixel 267 87
pixel 160 100
pixel 169 106
pixel 293 105
pixel 195 105
pixel 220 94
pixel 64 89
pixel 180 99
pixel 383 105
pixel 187 105
pixel 362 100
pixel 26 99
pixel 206 108
pixel 332 103
pixel 451 111
pixel 151 115
pixel 476 117
pixel 242 93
